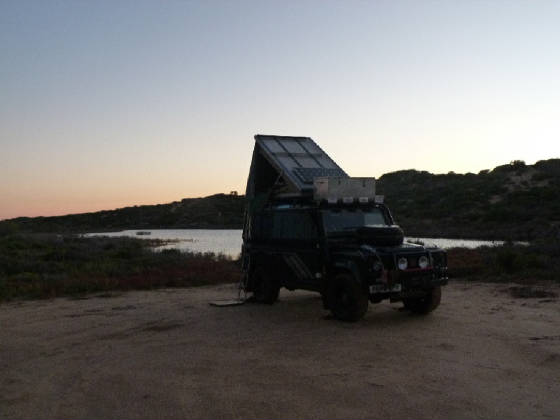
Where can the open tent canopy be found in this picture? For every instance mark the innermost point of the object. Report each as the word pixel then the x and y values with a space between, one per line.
pixel 286 166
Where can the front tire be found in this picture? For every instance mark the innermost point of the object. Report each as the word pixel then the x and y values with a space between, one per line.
pixel 425 304
pixel 350 302
pixel 265 288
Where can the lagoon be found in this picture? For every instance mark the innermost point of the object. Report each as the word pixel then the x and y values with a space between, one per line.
pixel 228 241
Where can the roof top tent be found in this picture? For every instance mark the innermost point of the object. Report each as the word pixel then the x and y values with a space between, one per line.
pixel 285 167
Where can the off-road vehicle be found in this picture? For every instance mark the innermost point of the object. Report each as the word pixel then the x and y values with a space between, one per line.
pixel 308 225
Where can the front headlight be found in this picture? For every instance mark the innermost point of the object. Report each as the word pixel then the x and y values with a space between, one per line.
pixel 403 263
pixel 423 261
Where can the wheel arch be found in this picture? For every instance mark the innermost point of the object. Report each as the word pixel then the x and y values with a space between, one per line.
pixel 345 266
pixel 339 266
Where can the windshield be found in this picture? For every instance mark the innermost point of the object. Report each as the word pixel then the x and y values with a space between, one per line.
pixel 350 219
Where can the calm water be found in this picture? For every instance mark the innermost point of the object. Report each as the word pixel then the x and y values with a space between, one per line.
pixel 228 241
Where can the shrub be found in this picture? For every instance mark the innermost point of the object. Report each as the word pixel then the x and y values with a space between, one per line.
pixel 36 266
pixel 517 263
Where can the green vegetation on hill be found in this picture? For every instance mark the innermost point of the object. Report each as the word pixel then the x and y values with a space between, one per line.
pixel 513 201
pixel 219 211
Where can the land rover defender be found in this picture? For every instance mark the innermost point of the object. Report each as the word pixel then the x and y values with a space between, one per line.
pixel 308 225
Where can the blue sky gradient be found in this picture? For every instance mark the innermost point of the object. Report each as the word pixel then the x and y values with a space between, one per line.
pixel 105 104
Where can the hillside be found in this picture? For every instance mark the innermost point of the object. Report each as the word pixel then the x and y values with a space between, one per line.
pixel 513 201
pixel 219 211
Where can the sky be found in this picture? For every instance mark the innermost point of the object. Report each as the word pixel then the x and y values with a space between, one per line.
pixel 106 104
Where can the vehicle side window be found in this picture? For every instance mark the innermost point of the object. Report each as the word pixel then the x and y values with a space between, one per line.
pixel 261 226
pixel 293 225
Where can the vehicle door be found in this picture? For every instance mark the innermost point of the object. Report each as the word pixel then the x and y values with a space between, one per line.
pixel 296 237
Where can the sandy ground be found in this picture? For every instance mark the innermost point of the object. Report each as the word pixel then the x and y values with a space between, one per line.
pixel 168 354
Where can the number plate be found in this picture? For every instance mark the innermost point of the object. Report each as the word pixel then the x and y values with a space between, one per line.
pixel 381 288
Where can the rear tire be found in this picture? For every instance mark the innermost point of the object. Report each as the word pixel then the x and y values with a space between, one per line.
pixel 426 304
pixel 350 302
pixel 265 288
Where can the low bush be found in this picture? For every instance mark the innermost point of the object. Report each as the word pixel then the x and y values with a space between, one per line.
pixel 40 266
pixel 516 263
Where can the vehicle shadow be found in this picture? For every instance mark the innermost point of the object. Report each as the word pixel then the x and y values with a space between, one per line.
pixel 307 307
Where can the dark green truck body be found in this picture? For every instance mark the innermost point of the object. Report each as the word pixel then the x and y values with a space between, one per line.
pixel 345 247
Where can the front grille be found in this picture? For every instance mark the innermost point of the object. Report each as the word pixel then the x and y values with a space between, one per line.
pixel 412 262
pixel 438 259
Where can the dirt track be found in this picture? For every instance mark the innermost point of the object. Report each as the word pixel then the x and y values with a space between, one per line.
pixel 168 354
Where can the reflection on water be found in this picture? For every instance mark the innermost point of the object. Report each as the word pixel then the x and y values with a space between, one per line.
pixel 225 241
pixel 456 243
pixel 228 241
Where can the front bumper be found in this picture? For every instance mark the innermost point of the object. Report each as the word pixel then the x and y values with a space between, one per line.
pixel 418 280
pixel 409 283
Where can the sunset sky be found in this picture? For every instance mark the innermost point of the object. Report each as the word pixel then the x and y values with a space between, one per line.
pixel 106 104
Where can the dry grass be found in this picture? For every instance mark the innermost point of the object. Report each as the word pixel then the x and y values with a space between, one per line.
pixel 531 264
pixel 42 266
